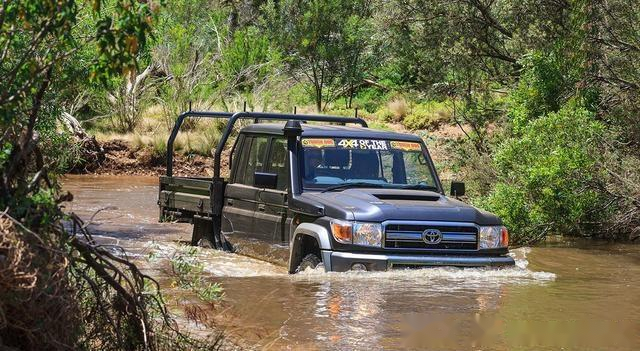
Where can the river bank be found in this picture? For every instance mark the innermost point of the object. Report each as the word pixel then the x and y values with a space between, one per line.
pixel 122 158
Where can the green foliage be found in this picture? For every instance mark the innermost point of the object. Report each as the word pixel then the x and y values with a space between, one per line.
pixel 539 90
pixel 5 153
pixel 248 59
pixel 369 99
pixel 210 292
pixel 122 33
pixel 547 175
pixel 39 39
pixel 322 40
pixel 54 307
pixel 190 36
pixel 188 272
pixel 428 115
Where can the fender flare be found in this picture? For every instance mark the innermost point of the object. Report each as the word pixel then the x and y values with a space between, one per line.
pixel 319 233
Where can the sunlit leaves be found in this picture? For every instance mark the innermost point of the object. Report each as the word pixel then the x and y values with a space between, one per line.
pixel 548 175
pixel 120 36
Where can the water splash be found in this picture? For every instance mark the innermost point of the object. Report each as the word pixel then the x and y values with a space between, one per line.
pixel 518 274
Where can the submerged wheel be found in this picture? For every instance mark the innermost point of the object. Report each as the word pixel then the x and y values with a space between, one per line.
pixel 309 261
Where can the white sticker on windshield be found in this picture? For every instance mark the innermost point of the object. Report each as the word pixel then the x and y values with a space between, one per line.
pixel 363 144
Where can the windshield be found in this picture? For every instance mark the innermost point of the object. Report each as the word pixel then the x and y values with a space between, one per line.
pixel 336 163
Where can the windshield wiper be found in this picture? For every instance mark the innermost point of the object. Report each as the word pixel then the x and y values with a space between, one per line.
pixel 352 185
pixel 418 187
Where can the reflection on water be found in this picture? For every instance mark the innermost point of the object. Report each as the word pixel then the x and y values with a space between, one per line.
pixel 577 296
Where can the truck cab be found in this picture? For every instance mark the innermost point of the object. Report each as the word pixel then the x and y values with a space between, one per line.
pixel 342 197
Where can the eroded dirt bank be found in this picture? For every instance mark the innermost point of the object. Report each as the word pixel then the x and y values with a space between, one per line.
pixel 120 158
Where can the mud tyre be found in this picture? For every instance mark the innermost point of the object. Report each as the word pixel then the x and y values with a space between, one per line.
pixel 309 261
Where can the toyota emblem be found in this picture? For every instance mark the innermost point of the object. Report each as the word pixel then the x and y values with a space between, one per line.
pixel 432 236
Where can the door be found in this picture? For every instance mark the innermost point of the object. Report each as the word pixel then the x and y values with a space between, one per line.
pixel 240 194
pixel 271 213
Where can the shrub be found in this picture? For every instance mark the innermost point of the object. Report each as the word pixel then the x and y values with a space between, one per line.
pixel 399 108
pixel 378 125
pixel 384 114
pixel 369 99
pixel 208 139
pixel 427 116
pixel 159 146
pixel 539 90
pixel 548 176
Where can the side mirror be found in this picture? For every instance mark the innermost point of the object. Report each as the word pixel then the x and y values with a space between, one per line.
pixel 265 180
pixel 457 189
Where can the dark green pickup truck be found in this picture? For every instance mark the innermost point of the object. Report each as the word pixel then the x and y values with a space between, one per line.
pixel 348 198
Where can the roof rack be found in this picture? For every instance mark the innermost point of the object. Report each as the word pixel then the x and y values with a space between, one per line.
pixel 233 117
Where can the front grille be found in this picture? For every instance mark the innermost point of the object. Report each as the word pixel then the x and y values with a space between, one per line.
pixel 409 236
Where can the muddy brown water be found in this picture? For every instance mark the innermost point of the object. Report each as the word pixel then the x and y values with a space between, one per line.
pixel 568 295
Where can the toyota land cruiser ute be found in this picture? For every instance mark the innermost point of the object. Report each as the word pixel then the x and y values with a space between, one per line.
pixel 346 198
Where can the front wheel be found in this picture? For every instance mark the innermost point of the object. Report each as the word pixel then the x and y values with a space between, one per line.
pixel 309 261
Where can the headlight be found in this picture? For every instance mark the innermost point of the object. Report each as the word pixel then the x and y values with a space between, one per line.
pixel 364 234
pixel 367 234
pixel 492 237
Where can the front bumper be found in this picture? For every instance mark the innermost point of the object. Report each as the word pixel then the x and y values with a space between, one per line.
pixel 342 261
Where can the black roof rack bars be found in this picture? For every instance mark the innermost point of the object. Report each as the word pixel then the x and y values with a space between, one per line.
pixel 233 117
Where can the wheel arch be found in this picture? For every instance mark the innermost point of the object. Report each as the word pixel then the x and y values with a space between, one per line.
pixel 309 238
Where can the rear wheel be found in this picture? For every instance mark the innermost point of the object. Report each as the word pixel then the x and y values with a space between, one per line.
pixel 309 261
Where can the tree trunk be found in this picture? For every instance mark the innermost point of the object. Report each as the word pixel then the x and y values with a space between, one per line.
pixel 318 99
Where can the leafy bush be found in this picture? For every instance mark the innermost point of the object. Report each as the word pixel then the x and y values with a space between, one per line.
pixel 539 90
pixel 548 176
pixel 427 116
pixel 384 114
pixel 369 99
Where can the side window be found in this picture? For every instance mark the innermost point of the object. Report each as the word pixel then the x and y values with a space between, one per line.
pixel 255 160
pixel 242 159
pixel 278 161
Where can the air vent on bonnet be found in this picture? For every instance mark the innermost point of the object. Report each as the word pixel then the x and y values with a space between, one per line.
pixel 406 197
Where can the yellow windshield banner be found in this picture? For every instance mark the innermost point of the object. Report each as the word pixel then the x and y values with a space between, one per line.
pixel 318 143
pixel 405 146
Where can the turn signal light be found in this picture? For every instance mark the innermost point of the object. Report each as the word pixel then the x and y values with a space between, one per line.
pixel 504 238
pixel 342 231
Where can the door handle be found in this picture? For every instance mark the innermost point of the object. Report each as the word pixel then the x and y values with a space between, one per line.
pixel 261 207
pixel 230 202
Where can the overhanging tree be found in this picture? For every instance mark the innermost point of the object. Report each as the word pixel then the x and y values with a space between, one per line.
pixel 320 41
